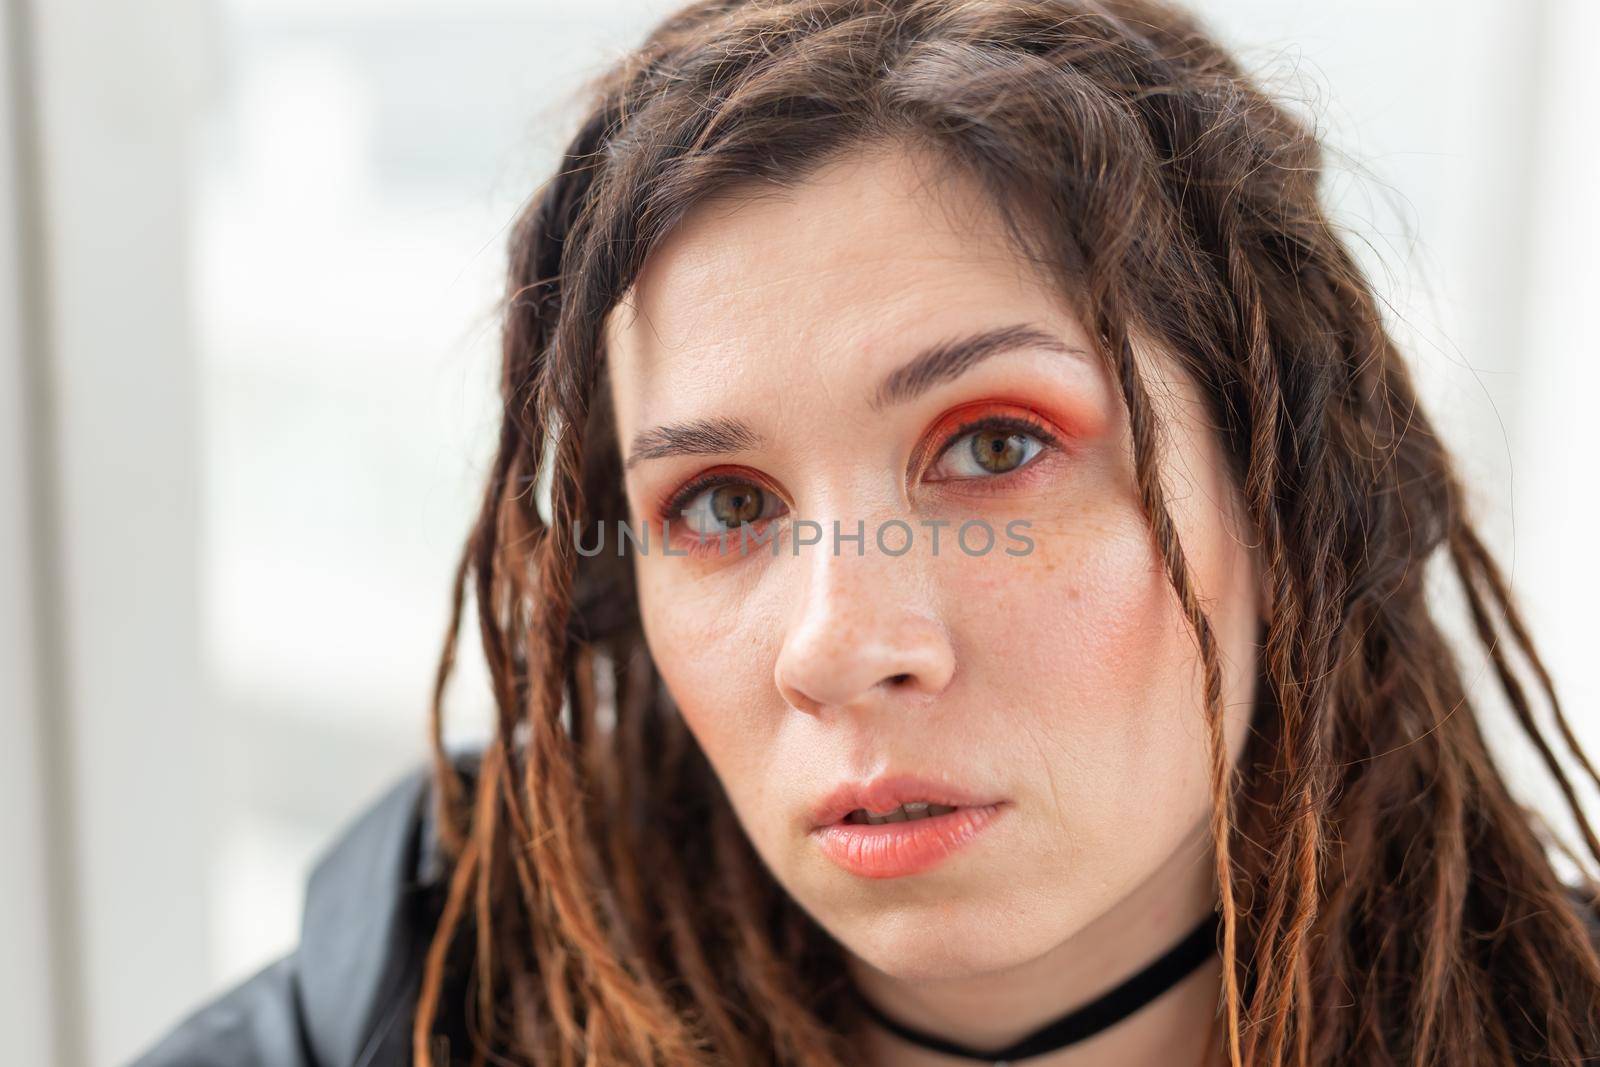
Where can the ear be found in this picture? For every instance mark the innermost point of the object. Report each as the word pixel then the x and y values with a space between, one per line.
pixel 1264 592
pixel 1255 553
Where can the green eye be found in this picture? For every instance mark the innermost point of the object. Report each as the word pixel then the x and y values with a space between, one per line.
pixel 997 451
pixel 726 506
pixel 987 452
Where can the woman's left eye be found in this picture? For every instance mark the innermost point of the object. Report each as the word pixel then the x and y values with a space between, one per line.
pixel 986 452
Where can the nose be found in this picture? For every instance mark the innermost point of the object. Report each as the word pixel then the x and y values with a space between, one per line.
pixel 862 628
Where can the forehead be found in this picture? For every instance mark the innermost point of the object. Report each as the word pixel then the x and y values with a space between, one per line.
pixel 840 276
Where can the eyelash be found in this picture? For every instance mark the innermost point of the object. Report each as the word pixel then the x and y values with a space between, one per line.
pixel 699 484
pixel 1004 424
pixel 674 505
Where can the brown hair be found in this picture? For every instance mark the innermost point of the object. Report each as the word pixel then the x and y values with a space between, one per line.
pixel 1385 900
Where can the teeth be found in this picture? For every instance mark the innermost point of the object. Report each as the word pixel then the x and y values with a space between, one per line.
pixel 910 811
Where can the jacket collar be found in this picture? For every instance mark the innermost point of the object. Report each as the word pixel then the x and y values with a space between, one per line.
pixel 367 922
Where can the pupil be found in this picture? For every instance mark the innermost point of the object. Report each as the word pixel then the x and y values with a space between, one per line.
pixel 733 506
pixel 997 451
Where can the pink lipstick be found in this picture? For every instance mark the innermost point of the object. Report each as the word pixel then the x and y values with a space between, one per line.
pixel 895 826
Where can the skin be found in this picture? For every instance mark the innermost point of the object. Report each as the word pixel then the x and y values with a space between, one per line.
pixel 1064 680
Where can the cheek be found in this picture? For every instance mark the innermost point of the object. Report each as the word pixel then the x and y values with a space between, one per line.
pixel 708 638
pixel 1088 669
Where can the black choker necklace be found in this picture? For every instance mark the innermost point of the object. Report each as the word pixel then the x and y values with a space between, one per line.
pixel 1105 1010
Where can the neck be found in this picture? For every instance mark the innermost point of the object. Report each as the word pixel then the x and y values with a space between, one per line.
pixel 993 1010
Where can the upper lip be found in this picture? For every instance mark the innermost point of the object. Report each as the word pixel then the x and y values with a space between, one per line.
pixel 888 792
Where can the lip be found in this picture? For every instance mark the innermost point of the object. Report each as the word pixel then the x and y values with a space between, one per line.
pixel 898 849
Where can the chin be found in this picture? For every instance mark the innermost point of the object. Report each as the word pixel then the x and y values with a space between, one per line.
pixel 936 934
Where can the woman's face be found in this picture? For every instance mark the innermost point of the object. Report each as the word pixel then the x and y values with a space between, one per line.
pixel 762 370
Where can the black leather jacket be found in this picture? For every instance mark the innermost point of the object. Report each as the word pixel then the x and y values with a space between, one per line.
pixel 345 996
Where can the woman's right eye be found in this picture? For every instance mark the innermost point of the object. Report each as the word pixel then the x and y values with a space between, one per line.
pixel 723 507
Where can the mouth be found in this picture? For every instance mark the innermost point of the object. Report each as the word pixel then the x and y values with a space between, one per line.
pixel 910 811
pixel 894 827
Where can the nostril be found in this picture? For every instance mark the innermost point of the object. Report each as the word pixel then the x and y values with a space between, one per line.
pixel 899 679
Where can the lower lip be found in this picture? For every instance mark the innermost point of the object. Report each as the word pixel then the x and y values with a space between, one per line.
pixel 897 849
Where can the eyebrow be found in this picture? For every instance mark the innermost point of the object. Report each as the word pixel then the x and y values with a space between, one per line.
pixel 939 363
pixel 954 357
pixel 702 437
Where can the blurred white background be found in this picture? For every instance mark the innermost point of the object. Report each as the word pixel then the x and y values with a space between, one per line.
pixel 250 251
